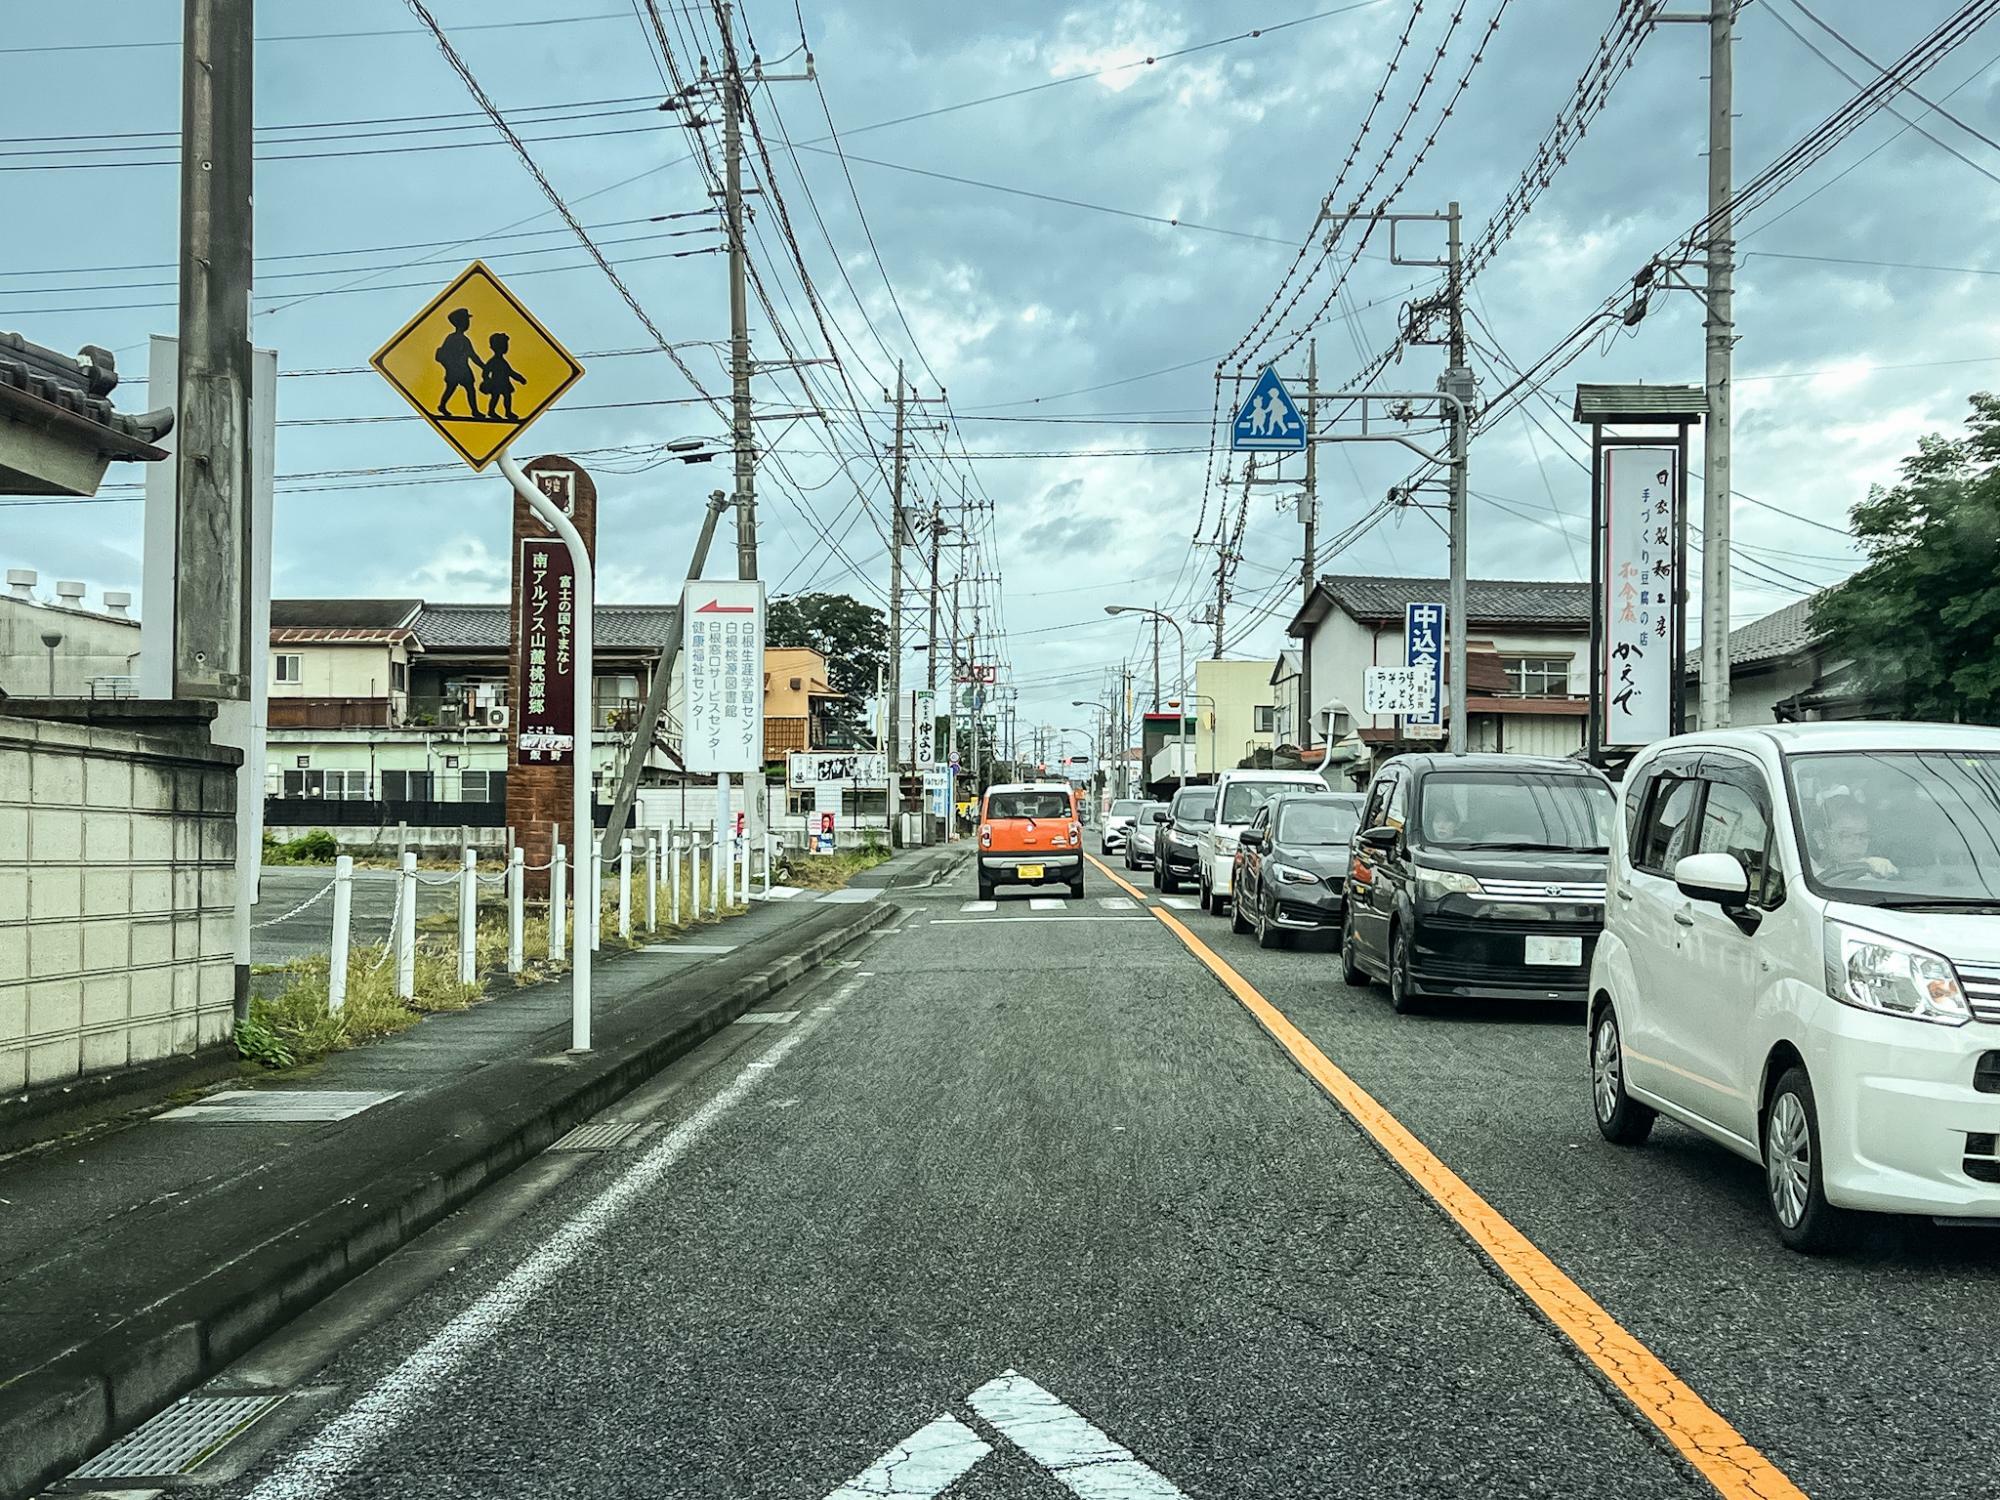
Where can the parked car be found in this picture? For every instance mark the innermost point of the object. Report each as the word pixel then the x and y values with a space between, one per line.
pixel 1238 795
pixel 1478 876
pixel 1176 847
pixel 1029 835
pixel 1142 837
pixel 1802 962
pixel 1290 870
pixel 1118 824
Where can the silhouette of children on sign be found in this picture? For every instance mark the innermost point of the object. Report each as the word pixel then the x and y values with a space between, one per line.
pixel 457 358
pixel 498 379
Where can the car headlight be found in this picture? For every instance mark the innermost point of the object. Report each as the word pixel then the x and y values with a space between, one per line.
pixel 1873 972
pixel 1436 883
pixel 1293 875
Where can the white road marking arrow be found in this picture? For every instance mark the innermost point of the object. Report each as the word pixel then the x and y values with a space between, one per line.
pixel 1077 1454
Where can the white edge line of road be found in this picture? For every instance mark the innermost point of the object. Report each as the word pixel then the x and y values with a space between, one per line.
pixel 1003 921
pixel 346 1443
pixel 1089 1463
pixel 928 1461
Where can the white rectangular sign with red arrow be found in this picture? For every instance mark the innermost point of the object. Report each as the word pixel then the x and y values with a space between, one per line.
pixel 722 644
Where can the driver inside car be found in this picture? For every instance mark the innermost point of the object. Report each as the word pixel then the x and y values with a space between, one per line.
pixel 1849 838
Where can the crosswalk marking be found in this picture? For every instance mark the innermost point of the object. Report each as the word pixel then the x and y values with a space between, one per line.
pixel 1116 903
pixel 1181 903
pixel 980 906
pixel 1046 903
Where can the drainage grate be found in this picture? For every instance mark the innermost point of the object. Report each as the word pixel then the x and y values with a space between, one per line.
pixel 298 1105
pixel 179 1438
pixel 595 1137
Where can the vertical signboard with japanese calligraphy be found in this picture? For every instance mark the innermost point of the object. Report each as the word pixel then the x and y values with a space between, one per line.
pixel 1641 490
pixel 722 643
pixel 923 728
pixel 1423 649
pixel 541 709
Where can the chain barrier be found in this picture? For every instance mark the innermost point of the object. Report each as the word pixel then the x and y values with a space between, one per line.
pixel 317 895
pixel 389 942
pixel 451 879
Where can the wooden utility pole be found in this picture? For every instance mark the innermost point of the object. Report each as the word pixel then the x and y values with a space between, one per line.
pixel 213 654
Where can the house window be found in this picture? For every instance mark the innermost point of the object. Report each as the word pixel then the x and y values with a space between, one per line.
pixel 1266 717
pixel 288 667
pixel 351 786
pixel 304 761
pixel 399 676
pixel 1537 676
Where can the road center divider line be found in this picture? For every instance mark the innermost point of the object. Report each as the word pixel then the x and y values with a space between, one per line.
pixel 1721 1454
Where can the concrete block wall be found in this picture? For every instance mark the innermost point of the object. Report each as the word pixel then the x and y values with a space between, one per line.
pixel 117 897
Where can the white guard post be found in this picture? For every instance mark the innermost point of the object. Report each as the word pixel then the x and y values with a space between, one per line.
pixel 586 604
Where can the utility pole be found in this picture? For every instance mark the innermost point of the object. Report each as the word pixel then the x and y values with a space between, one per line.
pixel 931 656
pixel 896 611
pixel 739 307
pixel 1222 557
pixel 1457 381
pixel 1309 514
pixel 213 655
pixel 1719 336
pixel 1156 661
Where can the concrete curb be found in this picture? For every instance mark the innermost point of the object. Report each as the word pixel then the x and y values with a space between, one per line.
pixel 62 1413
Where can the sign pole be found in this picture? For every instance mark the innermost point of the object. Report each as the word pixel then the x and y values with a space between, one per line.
pixel 586 604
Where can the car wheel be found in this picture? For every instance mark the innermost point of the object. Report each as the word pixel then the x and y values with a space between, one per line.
pixel 1402 997
pixel 1237 921
pixel 1269 934
pixel 985 890
pixel 1165 878
pixel 1621 1119
pixel 1206 897
pixel 1076 886
pixel 1793 1186
pixel 1350 969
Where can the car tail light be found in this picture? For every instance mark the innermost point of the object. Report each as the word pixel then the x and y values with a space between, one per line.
pixel 986 835
pixel 1076 833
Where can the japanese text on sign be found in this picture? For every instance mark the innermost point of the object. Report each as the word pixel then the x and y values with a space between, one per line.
pixel 723 645
pixel 1423 651
pixel 1641 492
pixel 545 726
pixel 868 769
pixel 1396 690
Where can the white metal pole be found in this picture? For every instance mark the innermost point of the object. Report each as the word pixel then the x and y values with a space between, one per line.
pixel 552 516
pixel 558 901
pixel 517 908
pixel 596 893
pixel 406 928
pixel 694 874
pixel 343 920
pixel 653 881
pixel 767 864
pixel 674 881
pixel 625 888
pixel 468 912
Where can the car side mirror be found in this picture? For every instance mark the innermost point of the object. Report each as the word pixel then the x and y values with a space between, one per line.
pixel 1252 841
pixel 1381 836
pixel 1712 877
pixel 1159 817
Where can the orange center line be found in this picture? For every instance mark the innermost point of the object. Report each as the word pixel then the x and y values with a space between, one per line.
pixel 1718 1452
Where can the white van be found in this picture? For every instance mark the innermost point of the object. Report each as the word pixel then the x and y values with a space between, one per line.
pixel 1238 795
pixel 1801 960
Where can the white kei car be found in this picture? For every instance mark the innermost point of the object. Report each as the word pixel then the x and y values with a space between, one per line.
pixel 1801 960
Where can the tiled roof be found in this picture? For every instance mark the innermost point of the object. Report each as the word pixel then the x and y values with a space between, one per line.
pixel 618 627
pixel 340 635
pixel 34 377
pixel 1780 633
pixel 343 614
pixel 1637 403
pixel 1489 601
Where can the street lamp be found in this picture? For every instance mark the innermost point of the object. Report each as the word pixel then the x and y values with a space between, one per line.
pixel 1180 728
pixel 52 639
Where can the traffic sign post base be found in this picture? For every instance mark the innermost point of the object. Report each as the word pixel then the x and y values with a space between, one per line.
pixel 586 903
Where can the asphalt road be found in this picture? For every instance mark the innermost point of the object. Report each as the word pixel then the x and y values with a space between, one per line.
pixel 1028 1205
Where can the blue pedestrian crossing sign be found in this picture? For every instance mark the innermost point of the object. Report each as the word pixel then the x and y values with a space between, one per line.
pixel 1269 422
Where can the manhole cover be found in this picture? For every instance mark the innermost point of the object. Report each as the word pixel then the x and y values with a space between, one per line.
pixel 179 1438
pixel 298 1105
pixel 594 1137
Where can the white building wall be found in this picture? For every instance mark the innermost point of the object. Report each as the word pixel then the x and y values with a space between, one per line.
pixel 326 671
pixel 1343 649
pixel 93 645
pixel 1753 695
pixel 1239 689
pixel 117 899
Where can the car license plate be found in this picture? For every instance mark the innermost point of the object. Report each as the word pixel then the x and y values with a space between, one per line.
pixel 1556 952
pixel 1028 872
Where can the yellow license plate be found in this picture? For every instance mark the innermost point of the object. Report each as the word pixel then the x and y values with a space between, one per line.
pixel 1028 872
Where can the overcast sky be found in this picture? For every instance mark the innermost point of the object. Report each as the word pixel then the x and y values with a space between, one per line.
pixel 1090 310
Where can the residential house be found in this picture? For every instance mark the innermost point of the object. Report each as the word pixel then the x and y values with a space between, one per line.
pixel 1233 711
pixel 797 701
pixel 341 663
pixel 1779 672
pixel 1527 645
pixel 1287 698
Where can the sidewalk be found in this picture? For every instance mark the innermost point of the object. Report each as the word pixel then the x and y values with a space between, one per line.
pixel 133 1265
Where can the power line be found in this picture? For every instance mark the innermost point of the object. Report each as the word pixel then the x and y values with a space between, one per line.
pixel 318 36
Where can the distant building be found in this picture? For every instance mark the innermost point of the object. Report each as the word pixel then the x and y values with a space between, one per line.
pixel 94 653
pixel 1779 672
pixel 1527 653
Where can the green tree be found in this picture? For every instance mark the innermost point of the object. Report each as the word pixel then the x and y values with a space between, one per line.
pixel 1921 621
pixel 852 636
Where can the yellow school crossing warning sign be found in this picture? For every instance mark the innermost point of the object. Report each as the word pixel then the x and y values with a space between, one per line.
pixel 477 366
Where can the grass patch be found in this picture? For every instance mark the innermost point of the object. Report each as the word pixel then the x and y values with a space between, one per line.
pixel 829 872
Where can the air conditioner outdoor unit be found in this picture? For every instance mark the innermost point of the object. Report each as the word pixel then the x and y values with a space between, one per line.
pixel 494 716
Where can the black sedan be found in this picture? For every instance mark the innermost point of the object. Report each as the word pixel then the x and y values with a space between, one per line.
pixel 1291 867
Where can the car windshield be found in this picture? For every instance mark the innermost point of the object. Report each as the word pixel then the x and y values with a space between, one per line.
pixel 1146 812
pixel 1241 799
pixel 1515 810
pixel 1318 820
pixel 1195 808
pixel 1125 808
pixel 1920 827
pixel 1049 804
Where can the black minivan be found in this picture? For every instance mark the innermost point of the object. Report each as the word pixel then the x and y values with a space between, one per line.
pixel 1478 875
